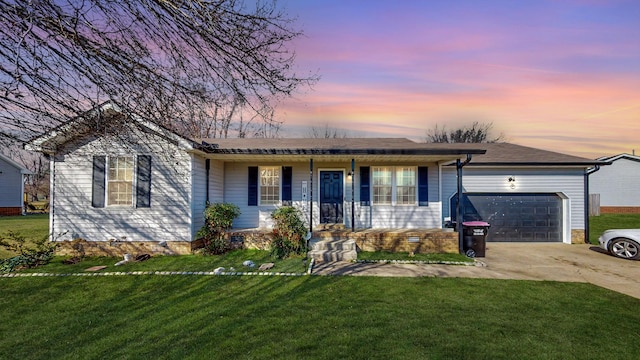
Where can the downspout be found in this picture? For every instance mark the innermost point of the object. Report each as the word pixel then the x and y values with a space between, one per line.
pixel 586 201
pixel 459 166
pixel 310 196
pixel 52 193
pixel 207 168
pixel 353 206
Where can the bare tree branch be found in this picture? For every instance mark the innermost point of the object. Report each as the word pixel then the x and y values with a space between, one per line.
pixel 475 133
pixel 194 65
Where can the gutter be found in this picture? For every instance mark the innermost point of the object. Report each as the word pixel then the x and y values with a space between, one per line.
pixel 586 201
pixel 459 166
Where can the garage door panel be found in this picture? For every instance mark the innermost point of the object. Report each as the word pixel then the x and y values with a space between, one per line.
pixel 516 217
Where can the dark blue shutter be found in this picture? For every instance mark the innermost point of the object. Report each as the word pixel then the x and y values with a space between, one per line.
pixel 365 197
pixel 423 186
pixel 98 189
pixel 252 188
pixel 143 182
pixel 287 178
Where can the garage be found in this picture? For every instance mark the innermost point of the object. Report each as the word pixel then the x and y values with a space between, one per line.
pixel 521 217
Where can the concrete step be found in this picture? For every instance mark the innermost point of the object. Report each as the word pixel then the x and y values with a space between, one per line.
pixel 322 244
pixel 332 255
pixel 332 250
pixel 325 227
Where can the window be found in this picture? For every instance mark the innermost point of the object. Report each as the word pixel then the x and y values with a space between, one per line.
pixel 269 185
pixel 120 181
pixel 112 181
pixel 382 185
pixel 405 185
pixel 394 185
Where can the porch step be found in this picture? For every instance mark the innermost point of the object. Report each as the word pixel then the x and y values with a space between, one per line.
pixel 325 227
pixel 332 250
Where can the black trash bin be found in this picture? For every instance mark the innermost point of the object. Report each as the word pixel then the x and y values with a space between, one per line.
pixel 475 238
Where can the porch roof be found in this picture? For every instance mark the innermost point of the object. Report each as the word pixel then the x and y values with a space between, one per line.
pixel 341 149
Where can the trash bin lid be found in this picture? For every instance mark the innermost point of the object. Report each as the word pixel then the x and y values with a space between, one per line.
pixel 475 223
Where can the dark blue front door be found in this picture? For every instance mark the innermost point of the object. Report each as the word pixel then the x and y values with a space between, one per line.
pixel 331 197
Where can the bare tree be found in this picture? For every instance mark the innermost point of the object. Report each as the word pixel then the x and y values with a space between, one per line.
pixel 475 133
pixel 195 66
pixel 326 132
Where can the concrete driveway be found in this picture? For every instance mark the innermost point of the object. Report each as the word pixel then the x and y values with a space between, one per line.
pixel 520 261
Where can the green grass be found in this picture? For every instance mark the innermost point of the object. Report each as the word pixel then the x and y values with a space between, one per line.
pixel 598 224
pixel 32 227
pixel 296 264
pixel 312 317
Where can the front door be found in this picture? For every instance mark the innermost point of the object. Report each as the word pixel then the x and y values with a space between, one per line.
pixel 331 197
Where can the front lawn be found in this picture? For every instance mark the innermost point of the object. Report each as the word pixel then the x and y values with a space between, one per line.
pixel 312 317
pixel 32 227
pixel 598 224
pixel 231 261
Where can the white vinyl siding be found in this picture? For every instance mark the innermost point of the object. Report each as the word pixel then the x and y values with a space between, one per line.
pixel 618 183
pixel 11 181
pixel 169 216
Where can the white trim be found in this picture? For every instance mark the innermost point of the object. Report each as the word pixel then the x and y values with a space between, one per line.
pixel 394 185
pixel 279 202
pixel 23 170
pixel 133 180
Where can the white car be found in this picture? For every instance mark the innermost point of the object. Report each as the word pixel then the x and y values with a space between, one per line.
pixel 623 243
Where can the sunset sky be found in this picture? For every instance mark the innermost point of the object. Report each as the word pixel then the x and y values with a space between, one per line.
pixel 558 75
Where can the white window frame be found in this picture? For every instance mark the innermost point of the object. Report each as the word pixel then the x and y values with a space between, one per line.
pixel 108 180
pixel 278 201
pixel 394 185
pixel 395 199
pixel 374 186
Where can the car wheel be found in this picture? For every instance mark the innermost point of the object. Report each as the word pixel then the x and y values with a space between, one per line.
pixel 625 248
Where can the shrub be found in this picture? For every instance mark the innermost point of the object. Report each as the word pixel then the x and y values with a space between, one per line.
pixel 28 256
pixel 288 233
pixel 218 218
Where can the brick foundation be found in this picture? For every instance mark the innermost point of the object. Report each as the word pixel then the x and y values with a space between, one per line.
pixel 620 209
pixel 10 211
pixel 419 242
pixel 119 248
pixel 577 236
pixel 422 241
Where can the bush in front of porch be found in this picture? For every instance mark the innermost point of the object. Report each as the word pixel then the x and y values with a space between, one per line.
pixel 288 233
pixel 218 219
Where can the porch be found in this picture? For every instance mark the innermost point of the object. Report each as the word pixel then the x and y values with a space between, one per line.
pixel 337 242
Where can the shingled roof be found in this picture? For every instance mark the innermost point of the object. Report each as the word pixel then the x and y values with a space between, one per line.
pixel 337 146
pixel 485 154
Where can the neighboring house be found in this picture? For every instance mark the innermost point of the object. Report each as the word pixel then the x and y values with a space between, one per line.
pixel 148 184
pixel 618 185
pixel 11 186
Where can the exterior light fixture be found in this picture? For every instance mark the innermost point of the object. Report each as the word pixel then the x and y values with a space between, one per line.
pixel 512 181
pixel 350 175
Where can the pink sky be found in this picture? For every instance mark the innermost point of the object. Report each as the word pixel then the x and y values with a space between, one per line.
pixel 557 75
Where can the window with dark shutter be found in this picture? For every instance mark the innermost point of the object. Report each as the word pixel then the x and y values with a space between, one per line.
pixel 287 178
pixel 98 187
pixel 365 197
pixel 143 182
pixel 423 186
pixel 252 188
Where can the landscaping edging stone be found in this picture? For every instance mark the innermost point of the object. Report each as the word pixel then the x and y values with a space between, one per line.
pixel 122 273
pixel 423 262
